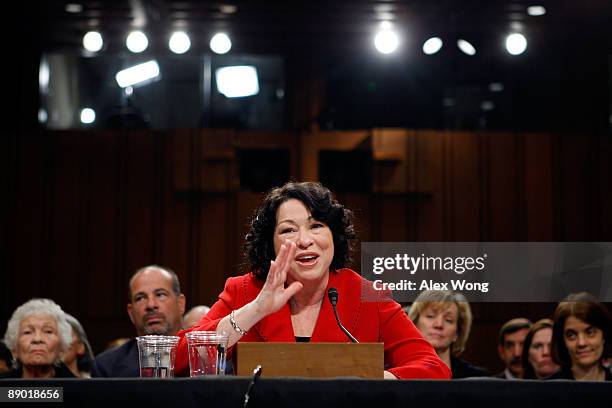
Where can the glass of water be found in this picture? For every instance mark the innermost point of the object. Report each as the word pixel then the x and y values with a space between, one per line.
pixel 207 350
pixel 157 355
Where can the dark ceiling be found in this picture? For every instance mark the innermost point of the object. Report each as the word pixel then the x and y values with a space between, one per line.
pixel 323 25
pixel 561 82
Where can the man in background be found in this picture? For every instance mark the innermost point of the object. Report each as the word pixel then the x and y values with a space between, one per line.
pixel 155 306
pixel 511 338
pixel 194 315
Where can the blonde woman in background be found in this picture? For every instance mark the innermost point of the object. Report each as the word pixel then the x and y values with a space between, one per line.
pixel 445 320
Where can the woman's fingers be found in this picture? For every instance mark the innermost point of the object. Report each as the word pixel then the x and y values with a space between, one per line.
pixel 276 265
pixel 289 255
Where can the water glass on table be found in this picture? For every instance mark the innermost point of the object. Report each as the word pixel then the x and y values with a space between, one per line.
pixel 207 352
pixel 157 355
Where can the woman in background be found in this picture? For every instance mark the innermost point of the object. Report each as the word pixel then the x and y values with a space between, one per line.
pixel 445 320
pixel 582 339
pixel 537 356
pixel 37 335
pixel 79 356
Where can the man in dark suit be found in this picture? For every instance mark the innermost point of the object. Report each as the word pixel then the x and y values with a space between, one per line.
pixel 155 306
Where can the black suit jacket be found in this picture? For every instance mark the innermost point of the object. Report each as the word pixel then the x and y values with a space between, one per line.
pixel 121 361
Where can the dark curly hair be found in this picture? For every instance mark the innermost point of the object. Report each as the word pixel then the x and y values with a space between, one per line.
pixel 259 246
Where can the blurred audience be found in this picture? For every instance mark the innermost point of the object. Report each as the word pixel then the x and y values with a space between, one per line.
pixel 510 347
pixel 155 306
pixel 79 356
pixel 582 338
pixel 6 358
pixel 194 315
pixel 37 335
pixel 537 356
pixel 445 320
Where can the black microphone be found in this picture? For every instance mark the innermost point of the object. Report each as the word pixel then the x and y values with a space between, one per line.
pixel 332 295
pixel 247 395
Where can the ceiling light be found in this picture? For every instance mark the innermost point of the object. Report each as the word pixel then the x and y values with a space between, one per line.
pixel 73 8
pixel 516 44
pixel 140 74
pixel 44 73
pixel 237 81
pixel 487 106
pixel 137 41
pixel 466 47
pixel 42 115
pixel 536 10
pixel 496 87
pixel 179 42
pixel 228 8
pixel 433 45
pixel 92 41
pixel 88 116
pixel 386 41
pixel 220 43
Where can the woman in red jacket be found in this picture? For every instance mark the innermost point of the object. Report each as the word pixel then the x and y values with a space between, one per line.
pixel 299 242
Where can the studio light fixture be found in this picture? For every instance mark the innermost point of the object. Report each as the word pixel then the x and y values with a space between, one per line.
pixel 466 47
pixel 432 45
pixel 140 74
pixel 237 81
pixel 42 115
pixel 220 43
pixel 88 116
pixel 137 42
pixel 386 40
pixel 73 8
pixel 92 41
pixel 179 42
pixel 516 44
pixel 536 10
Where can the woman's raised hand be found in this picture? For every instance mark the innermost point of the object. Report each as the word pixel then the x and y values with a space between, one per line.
pixel 274 294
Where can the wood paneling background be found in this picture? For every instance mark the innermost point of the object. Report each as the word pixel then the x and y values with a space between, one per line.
pixel 83 210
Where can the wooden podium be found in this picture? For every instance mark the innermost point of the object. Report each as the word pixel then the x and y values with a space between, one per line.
pixel 313 360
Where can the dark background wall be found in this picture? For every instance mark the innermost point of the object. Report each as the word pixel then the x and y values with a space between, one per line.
pixel 84 209
pixel 81 210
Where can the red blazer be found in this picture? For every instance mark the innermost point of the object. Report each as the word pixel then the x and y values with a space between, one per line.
pixel 407 353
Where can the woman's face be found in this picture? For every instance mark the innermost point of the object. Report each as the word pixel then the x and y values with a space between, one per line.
pixel 539 353
pixel 584 342
pixel 314 241
pixel 438 324
pixel 38 342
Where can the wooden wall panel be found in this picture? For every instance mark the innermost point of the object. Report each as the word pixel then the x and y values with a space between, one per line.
pixel 501 187
pixel 538 198
pixel 430 207
pixel 213 249
pixel 576 167
pixel 390 217
pixel 604 189
pixel 141 199
pixel 465 186
pixel 64 270
pixel 105 234
pixel 176 205
pixel 28 224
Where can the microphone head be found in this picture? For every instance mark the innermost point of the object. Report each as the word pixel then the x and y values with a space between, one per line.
pixel 332 295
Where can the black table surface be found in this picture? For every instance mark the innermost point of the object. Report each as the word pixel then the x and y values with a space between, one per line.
pixel 228 392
